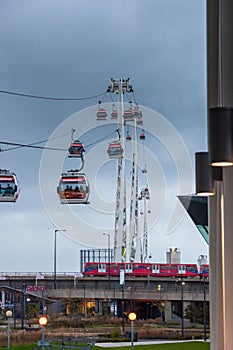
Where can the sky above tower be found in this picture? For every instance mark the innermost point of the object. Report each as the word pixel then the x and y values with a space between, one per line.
pixel 70 49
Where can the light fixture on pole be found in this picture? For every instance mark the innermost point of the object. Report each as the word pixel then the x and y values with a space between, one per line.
pixel 108 235
pixel 220 136
pixel 132 317
pixel 43 320
pixel 182 308
pixel 206 175
pixel 9 315
pixel 55 257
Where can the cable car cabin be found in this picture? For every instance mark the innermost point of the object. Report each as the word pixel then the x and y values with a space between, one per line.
pixel 144 194
pixel 142 136
pixel 9 189
pixel 128 137
pixel 101 114
pixel 128 115
pixel 136 111
pixel 115 150
pixel 144 170
pixel 114 114
pixel 73 188
pixel 140 120
pixel 76 149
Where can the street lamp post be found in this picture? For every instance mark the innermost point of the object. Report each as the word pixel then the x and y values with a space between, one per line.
pixel 182 308
pixel 43 321
pixel 122 284
pixel 159 289
pixel 55 257
pixel 9 315
pixel 132 317
pixel 108 235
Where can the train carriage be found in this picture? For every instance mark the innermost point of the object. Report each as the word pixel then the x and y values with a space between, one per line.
pixel 141 269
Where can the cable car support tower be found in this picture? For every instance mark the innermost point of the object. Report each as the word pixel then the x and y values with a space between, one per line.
pixel 120 86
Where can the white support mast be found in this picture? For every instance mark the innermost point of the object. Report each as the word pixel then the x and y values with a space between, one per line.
pixel 120 86
pixel 134 200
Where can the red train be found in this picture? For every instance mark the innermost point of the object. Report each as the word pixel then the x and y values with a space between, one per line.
pixel 147 269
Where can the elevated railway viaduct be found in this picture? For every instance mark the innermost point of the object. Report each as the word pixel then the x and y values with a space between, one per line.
pixel 150 297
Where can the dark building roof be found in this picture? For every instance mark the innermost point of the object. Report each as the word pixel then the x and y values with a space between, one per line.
pixel 197 208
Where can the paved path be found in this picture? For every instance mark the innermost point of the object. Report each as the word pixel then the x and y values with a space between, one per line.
pixel 138 343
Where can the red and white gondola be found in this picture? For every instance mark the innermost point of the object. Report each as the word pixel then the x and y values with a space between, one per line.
pixel 73 188
pixel 9 188
pixel 101 114
pixel 115 150
pixel 76 149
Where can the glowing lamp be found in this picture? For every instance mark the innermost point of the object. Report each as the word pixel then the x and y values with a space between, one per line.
pixel 43 320
pixel 132 316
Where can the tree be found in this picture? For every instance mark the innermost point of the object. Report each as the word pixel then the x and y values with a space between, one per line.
pixel 194 312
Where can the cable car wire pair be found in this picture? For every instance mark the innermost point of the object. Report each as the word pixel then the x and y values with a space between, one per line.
pixel 73 187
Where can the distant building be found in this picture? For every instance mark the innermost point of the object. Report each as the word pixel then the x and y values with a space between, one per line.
pixel 202 259
pixel 173 256
pixel 95 255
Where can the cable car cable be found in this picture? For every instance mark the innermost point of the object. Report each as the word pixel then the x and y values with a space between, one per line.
pixel 135 101
pixel 103 138
pixel 32 146
pixel 111 97
pixel 51 98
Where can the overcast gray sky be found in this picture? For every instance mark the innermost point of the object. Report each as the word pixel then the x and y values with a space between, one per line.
pixel 70 48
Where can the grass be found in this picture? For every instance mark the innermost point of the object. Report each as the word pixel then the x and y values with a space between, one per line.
pixel 20 347
pixel 176 346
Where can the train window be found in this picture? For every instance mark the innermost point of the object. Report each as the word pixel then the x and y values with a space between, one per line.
pixel 173 268
pixel 128 268
pixel 102 268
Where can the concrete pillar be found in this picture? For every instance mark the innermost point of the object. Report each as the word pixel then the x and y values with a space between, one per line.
pixel 215 259
pixel 219 53
pixel 219 94
pixel 227 232
pixel 167 310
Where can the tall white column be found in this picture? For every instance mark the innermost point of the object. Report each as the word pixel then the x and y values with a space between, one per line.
pixel 215 259
pixel 219 93
pixel 227 278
